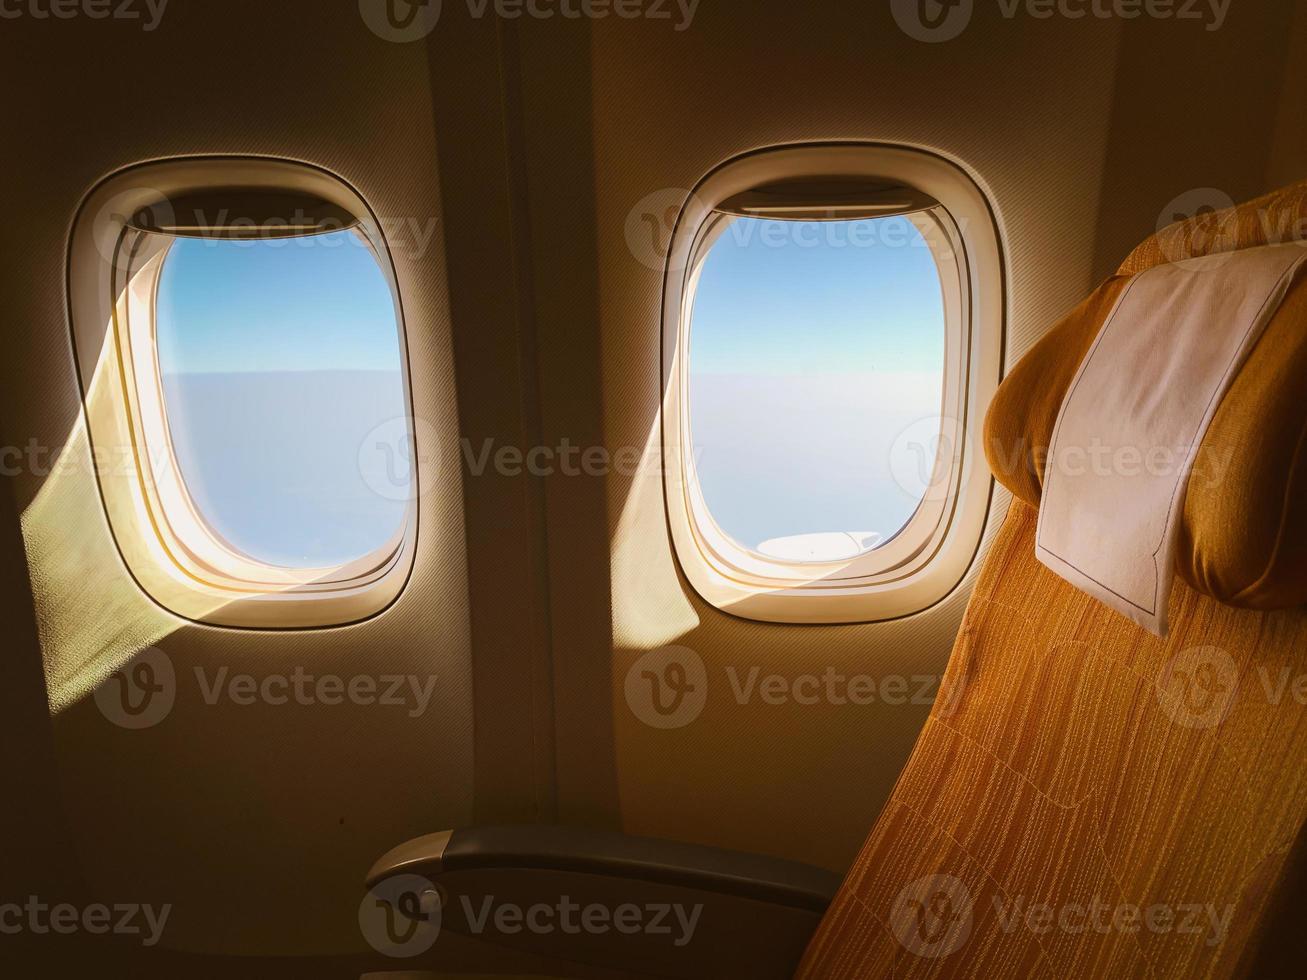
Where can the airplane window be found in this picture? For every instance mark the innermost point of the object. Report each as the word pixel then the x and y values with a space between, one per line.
pixel 277 358
pixel 832 325
pixel 241 349
pixel 814 346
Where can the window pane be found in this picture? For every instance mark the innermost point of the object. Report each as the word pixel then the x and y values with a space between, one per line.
pixel 813 345
pixel 278 358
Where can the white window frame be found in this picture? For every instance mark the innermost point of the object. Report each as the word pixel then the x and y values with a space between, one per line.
pixel 929 557
pixel 168 546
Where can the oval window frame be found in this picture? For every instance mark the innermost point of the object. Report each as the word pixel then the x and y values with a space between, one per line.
pixel 166 545
pixel 930 556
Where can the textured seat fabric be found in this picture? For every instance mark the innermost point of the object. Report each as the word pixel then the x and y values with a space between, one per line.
pixel 1080 768
pixel 1087 799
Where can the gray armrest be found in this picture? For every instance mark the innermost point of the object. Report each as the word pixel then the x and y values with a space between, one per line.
pixel 710 912
pixel 613 855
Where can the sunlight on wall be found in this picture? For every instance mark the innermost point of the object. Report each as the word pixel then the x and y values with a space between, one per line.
pixel 649 608
pixel 91 616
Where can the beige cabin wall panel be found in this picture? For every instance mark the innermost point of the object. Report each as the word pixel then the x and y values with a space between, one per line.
pixel 1024 107
pixel 255 823
pixel 1288 158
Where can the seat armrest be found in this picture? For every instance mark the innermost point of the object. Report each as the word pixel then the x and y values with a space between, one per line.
pixel 610 854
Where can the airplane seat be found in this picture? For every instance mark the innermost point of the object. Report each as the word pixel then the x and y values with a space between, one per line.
pixel 1089 799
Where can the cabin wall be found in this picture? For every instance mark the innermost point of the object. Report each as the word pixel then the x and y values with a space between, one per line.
pixel 256 822
pixel 534 318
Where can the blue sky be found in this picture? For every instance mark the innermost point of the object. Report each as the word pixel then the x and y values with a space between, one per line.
pixel 300 304
pixel 279 360
pixel 769 302
pixel 813 345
